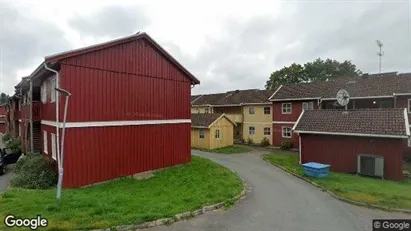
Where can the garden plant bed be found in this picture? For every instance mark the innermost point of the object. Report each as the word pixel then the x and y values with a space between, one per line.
pixel 366 191
pixel 227 150
pixel 128 201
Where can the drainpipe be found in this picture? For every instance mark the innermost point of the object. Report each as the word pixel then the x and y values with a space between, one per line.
pixel 31 117
pixel 57 123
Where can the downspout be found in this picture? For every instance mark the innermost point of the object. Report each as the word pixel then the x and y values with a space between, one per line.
pixel 31 117
pixel 57 116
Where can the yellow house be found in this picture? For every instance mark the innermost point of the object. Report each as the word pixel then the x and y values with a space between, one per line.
pixel 211 130
pixel 250 109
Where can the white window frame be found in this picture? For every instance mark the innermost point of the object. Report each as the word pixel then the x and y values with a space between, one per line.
pixel 267 133
pixel 409 142
pixel 201 134
pixel 53 94
pixel 285 128
pixel 206 110
pixel 43 90
pixel 217 134
pixel 45 144
pixel 19 129
pixel 269 110
pixel 251 131
pixel 251 110
pixel 409 106
pixel 306 105
pixel 286 109
pixel 53 146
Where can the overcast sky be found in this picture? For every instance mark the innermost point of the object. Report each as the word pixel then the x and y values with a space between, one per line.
pixel 226 44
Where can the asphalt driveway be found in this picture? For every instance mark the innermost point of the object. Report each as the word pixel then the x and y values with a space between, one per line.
pixel 5 179
pixel 279 201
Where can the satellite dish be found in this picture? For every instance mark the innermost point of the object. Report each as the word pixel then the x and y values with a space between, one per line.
pixel 343 97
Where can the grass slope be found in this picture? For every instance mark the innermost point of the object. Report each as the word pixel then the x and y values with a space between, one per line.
pixel 357 188
pixel 227 150
pixel 127 201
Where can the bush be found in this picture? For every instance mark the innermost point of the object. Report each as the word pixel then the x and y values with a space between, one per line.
pixel 286 145
pixel 34 172
pixel 249 141
pixel 6 137
pixel 265 142
pixel 14 145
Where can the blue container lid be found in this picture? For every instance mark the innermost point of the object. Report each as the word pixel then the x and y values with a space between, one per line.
pixel 315 165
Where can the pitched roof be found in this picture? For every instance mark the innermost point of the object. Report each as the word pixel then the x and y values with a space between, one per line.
pixel 236 97
pixel 384 84
pixel 57 57
pixel 384 122
pixel 206 119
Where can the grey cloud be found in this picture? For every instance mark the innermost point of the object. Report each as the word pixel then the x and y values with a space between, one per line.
pixel 25 40
pixel 112 21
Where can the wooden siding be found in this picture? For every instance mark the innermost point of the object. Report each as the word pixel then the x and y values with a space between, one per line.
pixel 341 152
pixel 196 142
pixel 259 132
pixel 277 135
pixel 226 133
pixel 297 108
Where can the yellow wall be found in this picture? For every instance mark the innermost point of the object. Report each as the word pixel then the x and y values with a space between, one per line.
pixel 196 109
pixel 259 121
pixel 196 142
pixel 226 133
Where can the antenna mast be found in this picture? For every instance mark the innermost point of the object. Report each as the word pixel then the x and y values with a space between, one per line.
pixel 380 53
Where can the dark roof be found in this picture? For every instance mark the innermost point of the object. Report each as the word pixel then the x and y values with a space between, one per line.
pixel 248 96
pixel 384 84
pixel 203 119
pixel 377 122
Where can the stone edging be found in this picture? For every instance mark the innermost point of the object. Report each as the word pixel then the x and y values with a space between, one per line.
pixel 373 206
pixel 180 216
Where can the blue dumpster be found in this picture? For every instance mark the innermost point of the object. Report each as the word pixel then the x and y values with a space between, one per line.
pixel 316 170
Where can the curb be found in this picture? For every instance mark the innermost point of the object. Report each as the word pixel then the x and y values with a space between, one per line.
pixel 180 216
pixel 367 205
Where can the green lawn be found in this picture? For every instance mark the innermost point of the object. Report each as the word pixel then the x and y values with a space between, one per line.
pixel 127 201
pixel 357 188
pixel 227 150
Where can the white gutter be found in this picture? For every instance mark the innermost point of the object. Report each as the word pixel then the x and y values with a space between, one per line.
pixel 353 134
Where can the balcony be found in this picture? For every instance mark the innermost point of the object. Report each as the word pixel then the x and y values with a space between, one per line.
pixel 25 111
pixel 238 118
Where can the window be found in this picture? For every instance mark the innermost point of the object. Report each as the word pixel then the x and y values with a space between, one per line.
pixel 53 91
pixel 196 111
pixel 286 132
pixel 201 134
pixel 286 108
pixel 409 105
pixel 217 134
pixel 308 106
pixel 251 110
pixel 207 110
pixel 251 130
pixel 45 147
pixel 19 130
pixel 267 131
pixel 43 90
pixel 53 146
pixel 267 110
pixel 409 142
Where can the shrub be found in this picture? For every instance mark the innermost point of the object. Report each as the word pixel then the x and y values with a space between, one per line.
pixel 286 145
pixel 249 141
pixel 14 145
pixel 265 142
pixel 6 137
pixel 34 172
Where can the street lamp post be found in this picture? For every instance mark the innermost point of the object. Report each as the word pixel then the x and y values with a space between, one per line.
pixel 61 157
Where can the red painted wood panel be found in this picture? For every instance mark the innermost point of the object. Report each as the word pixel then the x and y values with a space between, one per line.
pixel 102 153
pixel 2 127
pixel 277 135
pixel 295 112
pixel 341 152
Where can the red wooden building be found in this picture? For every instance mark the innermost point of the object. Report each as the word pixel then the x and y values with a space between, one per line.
pixel 339 137
pixel 385 90
pixel 129 100
pixel 3 118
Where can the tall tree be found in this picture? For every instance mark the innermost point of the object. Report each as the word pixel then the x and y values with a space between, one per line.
pixel 317 70
pixel 4 98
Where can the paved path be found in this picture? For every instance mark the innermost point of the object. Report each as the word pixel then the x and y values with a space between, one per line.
pixel 278 201
pixel 4 179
